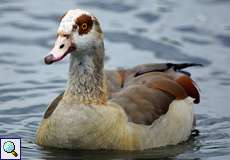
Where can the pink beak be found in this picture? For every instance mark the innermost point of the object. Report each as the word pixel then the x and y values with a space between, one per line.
pixel 62 47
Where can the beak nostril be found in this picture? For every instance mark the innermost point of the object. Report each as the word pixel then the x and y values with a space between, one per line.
pixel 61 46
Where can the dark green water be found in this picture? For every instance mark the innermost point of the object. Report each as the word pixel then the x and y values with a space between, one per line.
pixel 136 31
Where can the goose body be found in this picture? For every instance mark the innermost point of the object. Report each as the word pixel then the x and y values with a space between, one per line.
pixel 144 107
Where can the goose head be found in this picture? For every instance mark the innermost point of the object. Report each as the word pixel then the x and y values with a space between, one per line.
pixel 79 33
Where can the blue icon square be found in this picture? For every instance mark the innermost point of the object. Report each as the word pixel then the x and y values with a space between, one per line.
pixel 10 148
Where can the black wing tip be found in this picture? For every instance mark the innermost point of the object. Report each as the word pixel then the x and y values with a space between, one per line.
pixel 180 66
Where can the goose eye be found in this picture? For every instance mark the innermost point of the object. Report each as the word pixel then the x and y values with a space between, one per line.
pixel 84 26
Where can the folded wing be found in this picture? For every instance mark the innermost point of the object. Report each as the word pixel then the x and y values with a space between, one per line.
pixel 145 92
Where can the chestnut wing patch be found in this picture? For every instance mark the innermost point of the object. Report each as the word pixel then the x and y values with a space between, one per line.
pixel 190 87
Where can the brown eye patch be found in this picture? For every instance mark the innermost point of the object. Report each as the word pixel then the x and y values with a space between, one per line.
pixel 85 24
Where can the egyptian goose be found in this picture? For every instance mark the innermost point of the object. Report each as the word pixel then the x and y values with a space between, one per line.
pixel 144 107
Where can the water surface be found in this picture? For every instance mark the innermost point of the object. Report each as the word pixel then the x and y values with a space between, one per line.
pixel 136 32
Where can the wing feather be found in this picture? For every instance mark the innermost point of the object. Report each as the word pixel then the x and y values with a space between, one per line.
pixel 146 91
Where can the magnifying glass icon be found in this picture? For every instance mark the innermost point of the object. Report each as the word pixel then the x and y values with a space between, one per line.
pixel 9 147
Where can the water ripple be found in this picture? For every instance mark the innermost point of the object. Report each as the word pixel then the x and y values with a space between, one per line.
pixel 42 41
pixel 224 39
pixel 47 17
pixel 8 54
pixel 16 90
pixel 23 71
pixel 10 9
pixel 148 17
pixel 161 50
pixel 114 6
pixel 8 98
pixel 196 41
pixel 24 110
pixel 193 29
pixel 27 27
